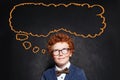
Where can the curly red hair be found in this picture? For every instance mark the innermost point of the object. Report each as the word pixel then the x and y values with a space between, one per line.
pixel 60 37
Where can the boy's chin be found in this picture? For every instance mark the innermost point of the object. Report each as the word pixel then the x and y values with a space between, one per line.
pixel 61 63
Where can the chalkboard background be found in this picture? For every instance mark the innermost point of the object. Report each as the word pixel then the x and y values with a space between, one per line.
pixel 99 56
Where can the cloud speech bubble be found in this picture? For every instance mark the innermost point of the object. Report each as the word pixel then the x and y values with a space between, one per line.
pixel 99 14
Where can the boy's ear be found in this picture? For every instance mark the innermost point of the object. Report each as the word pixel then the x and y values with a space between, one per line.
pixel 71 55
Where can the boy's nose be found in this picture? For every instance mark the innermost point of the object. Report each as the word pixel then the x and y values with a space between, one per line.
pixel 60 53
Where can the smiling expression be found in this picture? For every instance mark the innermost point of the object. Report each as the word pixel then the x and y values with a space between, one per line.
pixel 61 59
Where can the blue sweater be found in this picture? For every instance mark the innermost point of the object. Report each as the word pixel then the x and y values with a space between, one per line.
pixel 74 74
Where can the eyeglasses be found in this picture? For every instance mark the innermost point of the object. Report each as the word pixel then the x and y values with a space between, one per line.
pixel 57 52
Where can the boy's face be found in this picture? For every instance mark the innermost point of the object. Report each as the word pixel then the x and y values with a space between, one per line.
pixel 61 53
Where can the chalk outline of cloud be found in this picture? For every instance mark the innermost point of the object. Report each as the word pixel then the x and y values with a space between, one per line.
pixel 61 29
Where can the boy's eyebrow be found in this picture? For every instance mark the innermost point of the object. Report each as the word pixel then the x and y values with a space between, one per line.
pixel 61 49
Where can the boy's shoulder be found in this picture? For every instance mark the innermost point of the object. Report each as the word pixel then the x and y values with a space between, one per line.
pixel 49 70
pixel 75 67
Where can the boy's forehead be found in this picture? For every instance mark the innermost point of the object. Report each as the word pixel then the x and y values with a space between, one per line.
pixel 60 45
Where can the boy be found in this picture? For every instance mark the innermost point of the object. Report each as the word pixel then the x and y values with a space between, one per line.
pixel 61 48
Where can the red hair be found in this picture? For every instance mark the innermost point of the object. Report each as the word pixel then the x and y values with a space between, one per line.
pixel 60 37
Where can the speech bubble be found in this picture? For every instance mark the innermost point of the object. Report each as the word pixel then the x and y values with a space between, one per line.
pixel 99 14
